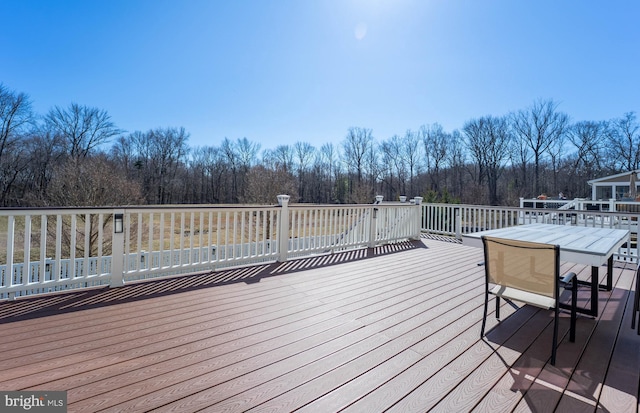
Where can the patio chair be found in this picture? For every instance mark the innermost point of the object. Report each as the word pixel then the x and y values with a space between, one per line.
pixel 636 302
pixel 527 272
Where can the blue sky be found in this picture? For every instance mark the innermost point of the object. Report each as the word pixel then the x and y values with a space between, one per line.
pixel 281 71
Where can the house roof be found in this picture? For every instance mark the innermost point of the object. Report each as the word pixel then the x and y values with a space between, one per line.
pixel 617 178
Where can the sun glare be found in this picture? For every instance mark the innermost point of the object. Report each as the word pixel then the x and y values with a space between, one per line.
pixel 360 31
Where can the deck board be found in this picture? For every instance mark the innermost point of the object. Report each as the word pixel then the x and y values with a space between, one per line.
pixel 623 374
pixel 394 328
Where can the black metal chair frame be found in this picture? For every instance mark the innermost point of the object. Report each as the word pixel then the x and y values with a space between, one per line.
pixel 636 301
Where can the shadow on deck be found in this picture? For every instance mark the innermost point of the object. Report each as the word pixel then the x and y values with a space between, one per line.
pixel 38 306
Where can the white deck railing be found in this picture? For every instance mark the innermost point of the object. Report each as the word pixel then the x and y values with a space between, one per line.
pixel 455 220
pixel 50 250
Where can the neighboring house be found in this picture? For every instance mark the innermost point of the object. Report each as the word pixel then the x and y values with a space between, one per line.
pixel 621 187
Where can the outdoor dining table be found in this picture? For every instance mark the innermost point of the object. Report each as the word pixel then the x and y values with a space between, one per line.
pixel 581 245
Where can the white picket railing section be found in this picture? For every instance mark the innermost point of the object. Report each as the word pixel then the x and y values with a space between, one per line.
pixel 455 220
pixel 50 250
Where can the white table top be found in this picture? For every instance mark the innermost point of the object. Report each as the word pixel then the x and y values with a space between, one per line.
pixel 582 245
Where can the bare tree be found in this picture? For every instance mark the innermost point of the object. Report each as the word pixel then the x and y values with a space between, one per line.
pixel 395 165
pixel 412 154
pixel 16 118
pixel 304 153
pixel 374 174
pixel 233 160
pixel 329 160
pixel 625 142
pixel 556 151
pixel 14 165
pixel 456 159
pixel 211 175
pixel 279 158
pixel 160 153
pixel 198 177
pixel 436 145
pixel 99 183
pixel 169 152
pixel 489 141
pixel 390 180
pixel 123 152
pixel 264 185
pixel 588 139
pixel 356 146
pixel 521 161
pixel 246 151
pixel 45 152
pixel 539 127
pixel 82 128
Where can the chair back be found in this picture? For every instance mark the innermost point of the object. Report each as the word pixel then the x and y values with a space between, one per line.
pixel 523 265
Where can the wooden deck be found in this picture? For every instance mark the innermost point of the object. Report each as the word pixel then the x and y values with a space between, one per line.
pixel 391 329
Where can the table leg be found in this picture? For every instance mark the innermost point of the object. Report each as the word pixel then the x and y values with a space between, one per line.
pixel 594 284
pixel 609 285
pixel 594 291
pixel 595 287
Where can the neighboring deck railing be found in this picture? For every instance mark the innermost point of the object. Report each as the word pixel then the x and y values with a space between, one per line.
pixel 455 220
pixel 50 250
pixel 582 204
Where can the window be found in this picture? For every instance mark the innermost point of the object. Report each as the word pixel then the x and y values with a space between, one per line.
pixel 603 192
pixel 622 191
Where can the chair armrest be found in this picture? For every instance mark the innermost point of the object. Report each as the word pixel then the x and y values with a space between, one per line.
pixel 568 277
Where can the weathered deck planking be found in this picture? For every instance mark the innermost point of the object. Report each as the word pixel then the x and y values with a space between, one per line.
pixel 391 329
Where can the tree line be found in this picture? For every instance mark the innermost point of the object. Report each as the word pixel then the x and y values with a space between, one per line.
pixel 77 156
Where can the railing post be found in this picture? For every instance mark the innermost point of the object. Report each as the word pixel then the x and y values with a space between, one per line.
pixel 612 205
pixel 283 228
pixel 521 213
pixel 418 218
pixel 117 249
pixel 8 272
pixel 373 221
pixel 458 221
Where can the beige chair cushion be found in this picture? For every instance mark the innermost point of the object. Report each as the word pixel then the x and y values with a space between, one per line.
pixel 524 296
